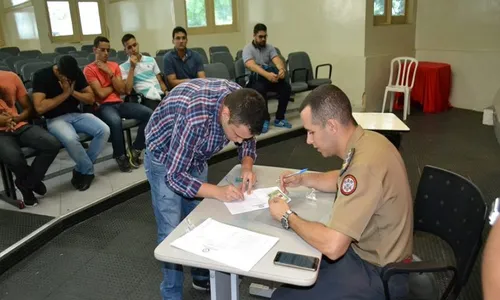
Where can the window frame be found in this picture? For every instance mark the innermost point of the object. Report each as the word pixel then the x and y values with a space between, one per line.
pixel 211 28
pixel 78 35
pixel 387 18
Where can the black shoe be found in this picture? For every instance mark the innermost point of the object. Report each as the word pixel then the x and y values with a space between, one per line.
pixel 28 197
pixel 86 181
pixel 135 158
pixel 201 285
pixel 123 163
pixel 77 180
pixel 40 188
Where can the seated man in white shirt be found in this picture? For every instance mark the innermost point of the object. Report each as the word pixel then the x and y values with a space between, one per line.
pixel 141 74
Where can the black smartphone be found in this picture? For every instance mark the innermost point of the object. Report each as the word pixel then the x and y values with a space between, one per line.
pixel 296 261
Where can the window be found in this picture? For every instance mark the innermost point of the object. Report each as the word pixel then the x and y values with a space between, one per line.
pixel 390 11
pixel 75 20
pixel 210 16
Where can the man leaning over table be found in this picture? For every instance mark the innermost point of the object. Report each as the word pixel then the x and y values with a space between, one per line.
pixel 371 223
pixel 194 122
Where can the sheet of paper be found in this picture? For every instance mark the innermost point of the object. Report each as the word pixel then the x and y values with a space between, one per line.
pixel 258 199
pixel 226 244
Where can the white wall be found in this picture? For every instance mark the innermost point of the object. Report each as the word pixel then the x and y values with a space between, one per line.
pixel 330 31
pixel 382 44
pixel 464 34
pixel 24 33
pixel 150 21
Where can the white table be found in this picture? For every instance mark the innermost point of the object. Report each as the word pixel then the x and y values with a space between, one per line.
pixel 387 124
pixel 224 279
pixel 380 122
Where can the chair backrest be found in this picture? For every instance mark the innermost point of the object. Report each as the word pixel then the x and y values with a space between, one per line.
pixel 48 57
pixel 14 51
pixel 20 63
pixel 30 53
pixel 122 55
pixel 91 57
pixel 300 60
pixel 64 50
pixel 201 51
pixel 278 50
pixel 4 68
pixel 451 207
pixel 227 59
pixel 162 52
pixel 216 70
pixel 82 61
pixel 88 48
pixel 10 61
pixel 4 55
pixel 78 53
pixel 406 68
pixel 214 49
pixel 159 62
pixel 30 68
pixel 144 53
pixel 239 72
pixel 112 52
pixel 239 55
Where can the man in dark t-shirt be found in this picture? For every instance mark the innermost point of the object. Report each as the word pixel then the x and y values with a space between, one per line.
pixel 57 92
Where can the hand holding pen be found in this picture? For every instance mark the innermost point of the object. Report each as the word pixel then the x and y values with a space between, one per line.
pixel 291 179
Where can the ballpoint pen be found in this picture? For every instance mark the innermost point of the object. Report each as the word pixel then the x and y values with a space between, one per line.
pixel 293 174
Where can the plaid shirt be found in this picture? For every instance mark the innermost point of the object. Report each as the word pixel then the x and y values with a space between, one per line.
pixel 184 132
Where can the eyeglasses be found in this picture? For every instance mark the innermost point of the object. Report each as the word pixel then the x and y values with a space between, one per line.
pixel 262 36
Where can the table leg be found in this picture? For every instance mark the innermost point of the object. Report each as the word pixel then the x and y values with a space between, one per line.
pixel 224 286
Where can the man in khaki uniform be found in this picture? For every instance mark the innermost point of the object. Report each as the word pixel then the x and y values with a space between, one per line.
pixel 371 223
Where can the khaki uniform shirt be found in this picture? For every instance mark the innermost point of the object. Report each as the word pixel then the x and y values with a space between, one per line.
pixel 374 205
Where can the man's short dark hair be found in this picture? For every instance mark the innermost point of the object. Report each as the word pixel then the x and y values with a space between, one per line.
pixel 127 37
pixel 329 102
pixel 259 27
pixel 100 39
pixel 68 66
pixel 247 107
pixel 177 30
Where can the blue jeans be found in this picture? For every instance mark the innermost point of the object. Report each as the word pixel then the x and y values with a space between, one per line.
pixel 112 115
pixel 170 209
pixel 66 128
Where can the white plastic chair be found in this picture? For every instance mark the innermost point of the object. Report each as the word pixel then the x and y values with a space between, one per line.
pixel 406 68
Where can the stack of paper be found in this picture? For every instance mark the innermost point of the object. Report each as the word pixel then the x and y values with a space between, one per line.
pixel 258 199
pixel 230 245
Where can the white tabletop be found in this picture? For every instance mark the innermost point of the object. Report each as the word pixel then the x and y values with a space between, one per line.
pixel 258 221
pixel 380 121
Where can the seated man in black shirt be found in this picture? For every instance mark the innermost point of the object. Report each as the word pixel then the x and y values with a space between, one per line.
pixel 57 93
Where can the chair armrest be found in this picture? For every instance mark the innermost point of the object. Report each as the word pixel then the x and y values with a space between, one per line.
pixel 330 68
pixel 237 79
pixel 298 70
pixel 417 267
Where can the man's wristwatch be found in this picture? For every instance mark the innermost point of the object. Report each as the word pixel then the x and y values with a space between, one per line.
pixel 284 219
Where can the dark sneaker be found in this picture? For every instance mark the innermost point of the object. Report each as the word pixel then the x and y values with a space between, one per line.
pixel 28 197
pixel 77 179
pixel 86 181
pixel 40 189
pixel 135 158
pixel 201 285
pixel 123 164
pixel 265 127
pixel 282 123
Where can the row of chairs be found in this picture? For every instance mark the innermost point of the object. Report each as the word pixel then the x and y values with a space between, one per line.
pixel 7 174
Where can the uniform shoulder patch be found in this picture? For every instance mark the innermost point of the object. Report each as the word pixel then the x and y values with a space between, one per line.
pixel 349 185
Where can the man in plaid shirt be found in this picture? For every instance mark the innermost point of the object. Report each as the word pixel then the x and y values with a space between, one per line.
pixel 194 122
